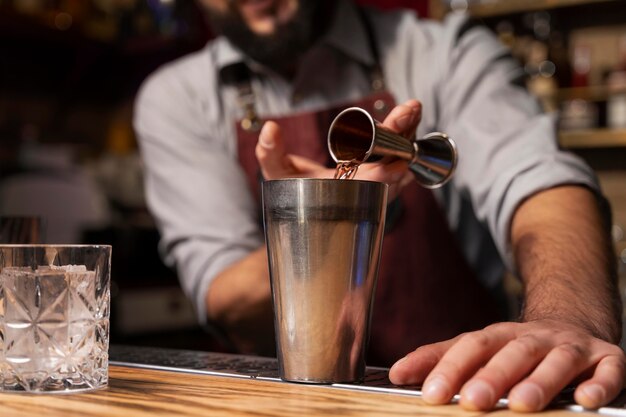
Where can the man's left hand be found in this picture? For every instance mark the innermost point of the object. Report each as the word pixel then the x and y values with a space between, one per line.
pixel 276 163
pixel 531 361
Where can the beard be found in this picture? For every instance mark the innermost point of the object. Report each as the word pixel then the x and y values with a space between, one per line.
pixel 282 49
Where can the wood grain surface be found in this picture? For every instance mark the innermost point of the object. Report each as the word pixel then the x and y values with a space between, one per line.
pixel 138 392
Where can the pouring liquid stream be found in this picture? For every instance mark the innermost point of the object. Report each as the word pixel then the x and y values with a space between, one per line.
pixel 346 170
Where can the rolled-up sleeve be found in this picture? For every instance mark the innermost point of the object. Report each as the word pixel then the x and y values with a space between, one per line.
pixel 508 147
pixel 194 186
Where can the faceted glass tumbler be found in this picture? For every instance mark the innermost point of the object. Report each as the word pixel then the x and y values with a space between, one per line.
pixel 54 317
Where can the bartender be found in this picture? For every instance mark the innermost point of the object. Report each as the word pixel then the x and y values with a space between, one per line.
pixel 256 103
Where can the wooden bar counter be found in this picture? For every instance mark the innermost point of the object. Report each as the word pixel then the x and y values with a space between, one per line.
pixel 154 392
pixel 142 392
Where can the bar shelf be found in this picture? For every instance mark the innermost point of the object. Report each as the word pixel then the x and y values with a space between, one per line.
pixel 593 138
pixel 507 7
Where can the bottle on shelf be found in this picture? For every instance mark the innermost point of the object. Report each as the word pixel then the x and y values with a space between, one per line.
pixel 616 85
pixel 579 114
pixel 541 72
pixel 539 65
pixel 557 53
pixel 581 66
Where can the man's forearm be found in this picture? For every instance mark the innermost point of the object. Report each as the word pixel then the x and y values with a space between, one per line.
pixel 565 259
pixel 239 300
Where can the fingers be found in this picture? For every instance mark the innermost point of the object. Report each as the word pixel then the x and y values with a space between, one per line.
pixel 404 118
pixel 532 361
pixel 394 174
pixel 461 361
pixel 510 365
pixel 605 384
pixel 560 366
pixel 390 173
pixel 270 152
pixel 305 167
pixel 276 163
pixel 413 368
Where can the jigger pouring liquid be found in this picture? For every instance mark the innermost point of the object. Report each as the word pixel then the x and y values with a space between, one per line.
pixel 355 137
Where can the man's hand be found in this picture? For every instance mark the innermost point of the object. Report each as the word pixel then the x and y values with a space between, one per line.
pixel 276 163
pixel 571 318
pixel 531 361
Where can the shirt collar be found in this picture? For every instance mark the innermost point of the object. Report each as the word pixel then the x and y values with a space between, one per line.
pixel 227 54
pixel 346 34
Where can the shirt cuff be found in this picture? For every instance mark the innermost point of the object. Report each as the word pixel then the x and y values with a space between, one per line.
pixel 214 266
pixel 551 171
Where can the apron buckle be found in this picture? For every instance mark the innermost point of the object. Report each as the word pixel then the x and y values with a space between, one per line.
pixel 250 124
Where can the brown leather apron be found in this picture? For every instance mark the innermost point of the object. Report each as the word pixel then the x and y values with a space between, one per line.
pixel 426 290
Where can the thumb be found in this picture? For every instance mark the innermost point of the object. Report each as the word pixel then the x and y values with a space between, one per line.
pixel 270 152
pixel 404 118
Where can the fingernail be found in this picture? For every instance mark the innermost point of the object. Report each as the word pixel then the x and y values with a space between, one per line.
pixel 594 393
pixel 526 397
pixel 479 394
pixel 394 369
pixel 413 105
pixel 436 391
pixel 266 140
pixel 405 121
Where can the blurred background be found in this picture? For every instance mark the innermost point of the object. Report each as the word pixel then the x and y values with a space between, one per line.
pixel 69 71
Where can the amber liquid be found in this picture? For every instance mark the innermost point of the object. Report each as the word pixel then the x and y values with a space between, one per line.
pixel 346 170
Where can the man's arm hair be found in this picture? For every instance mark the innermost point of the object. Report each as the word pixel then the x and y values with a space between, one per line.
pixel 565 258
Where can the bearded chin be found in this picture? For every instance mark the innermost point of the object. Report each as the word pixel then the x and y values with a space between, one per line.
pixel 282 49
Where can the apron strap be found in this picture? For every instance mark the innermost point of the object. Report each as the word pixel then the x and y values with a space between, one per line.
pixel 375 72
pixel 240 76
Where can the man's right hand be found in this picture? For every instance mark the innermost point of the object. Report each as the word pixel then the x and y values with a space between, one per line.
pixel 276 163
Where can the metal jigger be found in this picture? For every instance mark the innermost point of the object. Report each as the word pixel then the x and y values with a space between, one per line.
pixel 356 137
